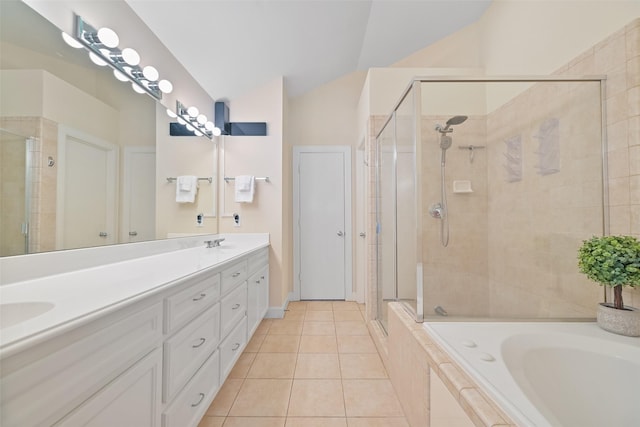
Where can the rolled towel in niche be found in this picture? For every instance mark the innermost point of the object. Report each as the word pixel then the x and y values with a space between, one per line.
pixel 462 186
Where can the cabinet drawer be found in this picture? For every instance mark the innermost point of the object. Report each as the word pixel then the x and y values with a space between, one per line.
pixel 186 304
pixel 258 260
pixel 132 399
pixel 43 391
pixel 186 350
pixel 233 307
pixel 232 347
pixel 234 275
pixel 192 402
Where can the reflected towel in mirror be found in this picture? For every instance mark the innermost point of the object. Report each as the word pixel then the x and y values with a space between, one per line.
pixel 186 189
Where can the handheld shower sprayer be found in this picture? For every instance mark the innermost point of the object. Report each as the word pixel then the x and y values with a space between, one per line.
pixel 439 210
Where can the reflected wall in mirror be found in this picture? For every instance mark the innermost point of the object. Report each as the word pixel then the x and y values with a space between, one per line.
pixel 77 147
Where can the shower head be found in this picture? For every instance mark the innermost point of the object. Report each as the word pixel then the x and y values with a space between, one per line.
pixel 455 120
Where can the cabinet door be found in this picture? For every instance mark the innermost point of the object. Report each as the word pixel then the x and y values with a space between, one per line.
pixel 263 293
pixel 258 300
pixel 132 399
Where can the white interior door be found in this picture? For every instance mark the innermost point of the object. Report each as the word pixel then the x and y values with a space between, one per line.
pixel 322 210
pixel 86 199
pixel 139 195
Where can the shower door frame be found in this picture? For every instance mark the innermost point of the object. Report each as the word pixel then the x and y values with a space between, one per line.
pixel 414 87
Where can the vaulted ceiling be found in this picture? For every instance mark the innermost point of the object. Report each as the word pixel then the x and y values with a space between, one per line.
pixel 233 46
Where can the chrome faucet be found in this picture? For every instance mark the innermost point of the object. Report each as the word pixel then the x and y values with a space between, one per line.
pixel 214 243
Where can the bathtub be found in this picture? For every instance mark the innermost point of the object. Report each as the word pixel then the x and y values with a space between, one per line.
pixel 548 373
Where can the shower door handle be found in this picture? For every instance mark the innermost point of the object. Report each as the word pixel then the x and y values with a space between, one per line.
pixel 340 233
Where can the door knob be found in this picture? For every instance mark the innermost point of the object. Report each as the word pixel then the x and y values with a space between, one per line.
pixel 340 233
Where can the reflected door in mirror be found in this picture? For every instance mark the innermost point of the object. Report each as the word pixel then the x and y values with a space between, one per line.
pixel 88 178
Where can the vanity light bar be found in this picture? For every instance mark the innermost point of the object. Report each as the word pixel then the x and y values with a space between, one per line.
pixel 194 121
pixel 102 45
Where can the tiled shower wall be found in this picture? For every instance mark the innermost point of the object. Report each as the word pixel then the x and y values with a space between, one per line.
pixel 44 177
pixel 618 57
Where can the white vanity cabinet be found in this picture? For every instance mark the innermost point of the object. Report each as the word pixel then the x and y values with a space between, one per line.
pixel 156 362
pixel 80 375
pixel 258 289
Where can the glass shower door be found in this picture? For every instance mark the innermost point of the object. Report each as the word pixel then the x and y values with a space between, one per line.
pixel 15 193
pixel 386 221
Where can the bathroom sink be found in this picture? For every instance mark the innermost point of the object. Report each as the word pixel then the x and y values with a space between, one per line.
pixel 14 313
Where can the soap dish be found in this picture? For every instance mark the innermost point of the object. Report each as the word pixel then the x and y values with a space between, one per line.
pixel 462 186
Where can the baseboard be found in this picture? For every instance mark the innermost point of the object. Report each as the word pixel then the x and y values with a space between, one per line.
pixel 277 312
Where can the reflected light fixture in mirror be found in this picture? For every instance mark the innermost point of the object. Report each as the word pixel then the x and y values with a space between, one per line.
pixel 194 121
pixel 102 45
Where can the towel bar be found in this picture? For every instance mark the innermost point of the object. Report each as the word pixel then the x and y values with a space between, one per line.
pixel 210 179
pixel 265 179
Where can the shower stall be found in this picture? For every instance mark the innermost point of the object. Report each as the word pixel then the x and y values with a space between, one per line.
pixel 485 189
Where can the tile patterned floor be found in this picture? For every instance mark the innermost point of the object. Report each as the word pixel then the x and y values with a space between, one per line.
pixel 317 367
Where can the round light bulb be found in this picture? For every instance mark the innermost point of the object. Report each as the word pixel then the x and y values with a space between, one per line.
pixel 150 73
pixel 209 126
pixel 190 128
pixel 171 114
pixel 130 56
pixel 197 132
pixel 137 88
pixel 193 111
pixel 182 121
pixel 118 75
pixel 108 37
pixel 96 59
pixel 202 119
pixel 71 41
pixel 216 131
pixel 165 86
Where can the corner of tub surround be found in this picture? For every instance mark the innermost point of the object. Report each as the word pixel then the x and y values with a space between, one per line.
pixel 380 341
pixel 480 408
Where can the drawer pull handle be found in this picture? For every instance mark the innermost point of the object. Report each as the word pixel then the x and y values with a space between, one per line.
pixel 200 297
pixel 258 282
pixel 236 346
pixel 193 405
pixel 202 340
pixel 235 274
pixel 235 307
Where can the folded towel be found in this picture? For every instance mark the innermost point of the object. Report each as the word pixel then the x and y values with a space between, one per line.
pixel 186 189
pixel 245 187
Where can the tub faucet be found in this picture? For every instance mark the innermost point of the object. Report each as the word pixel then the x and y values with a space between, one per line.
pixel 214 243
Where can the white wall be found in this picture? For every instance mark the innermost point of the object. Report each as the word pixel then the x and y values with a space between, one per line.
pixel 539 36
pixel 260 156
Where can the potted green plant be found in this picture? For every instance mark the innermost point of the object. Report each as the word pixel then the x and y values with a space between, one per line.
pixel 613 261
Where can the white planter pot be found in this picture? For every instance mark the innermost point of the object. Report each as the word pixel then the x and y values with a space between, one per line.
pixel 622 322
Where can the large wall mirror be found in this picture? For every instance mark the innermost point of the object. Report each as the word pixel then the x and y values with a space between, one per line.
pixel 77 147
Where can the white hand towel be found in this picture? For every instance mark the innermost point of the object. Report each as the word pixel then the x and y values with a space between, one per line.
pixel 186 189
pixel 245 187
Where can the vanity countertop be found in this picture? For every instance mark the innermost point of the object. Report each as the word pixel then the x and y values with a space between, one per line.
pixel 64 301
